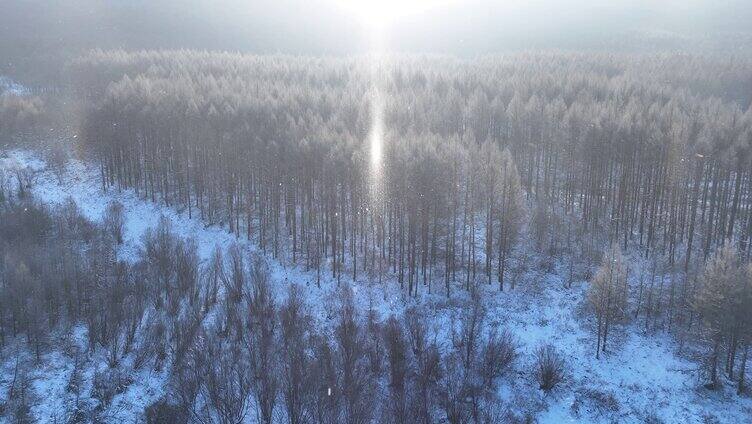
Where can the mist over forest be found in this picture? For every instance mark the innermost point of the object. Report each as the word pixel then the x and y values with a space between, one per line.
pixel 375 211
pixel 37 32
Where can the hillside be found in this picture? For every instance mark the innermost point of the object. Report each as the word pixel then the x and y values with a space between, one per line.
pixel 647 377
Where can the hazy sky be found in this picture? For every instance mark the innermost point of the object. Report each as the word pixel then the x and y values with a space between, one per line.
pixel 460 27
pixel 470 26
pixel 484 25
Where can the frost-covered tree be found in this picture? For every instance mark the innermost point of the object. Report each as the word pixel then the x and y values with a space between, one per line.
pixel 608 295
pixel 713 301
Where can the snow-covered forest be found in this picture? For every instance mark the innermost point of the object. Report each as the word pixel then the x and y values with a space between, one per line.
pixel 375 211
pixel 540 237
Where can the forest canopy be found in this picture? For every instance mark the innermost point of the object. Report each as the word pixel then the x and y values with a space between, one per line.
pixel 648 151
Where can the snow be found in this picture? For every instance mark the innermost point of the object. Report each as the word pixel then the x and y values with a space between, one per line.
pixel 642 377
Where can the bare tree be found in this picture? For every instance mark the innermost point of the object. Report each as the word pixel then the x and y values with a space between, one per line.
pixel 355 386
pixel 497 356
pixel 295 365
pixel 213 276
pixel 114 220
pixel 398 363
pixel 261 340
pixel 226 385
pixel 427 371
pixel 454 391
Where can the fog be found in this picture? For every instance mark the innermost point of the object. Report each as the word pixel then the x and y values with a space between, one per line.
pixel 31 30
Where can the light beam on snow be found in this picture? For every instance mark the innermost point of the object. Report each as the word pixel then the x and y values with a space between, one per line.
pixel 376 134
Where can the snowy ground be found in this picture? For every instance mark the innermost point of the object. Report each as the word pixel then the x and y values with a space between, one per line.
pixel 642 380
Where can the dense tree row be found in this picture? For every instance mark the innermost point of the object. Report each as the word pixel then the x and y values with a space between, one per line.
pixel 286 180
pixel 646 151
pixel 712 307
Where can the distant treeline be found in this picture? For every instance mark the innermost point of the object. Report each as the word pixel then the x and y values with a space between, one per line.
pixel 652 151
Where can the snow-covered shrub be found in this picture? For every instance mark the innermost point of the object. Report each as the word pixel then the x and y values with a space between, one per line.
pixel 25 178
pixel 594 402
pixel 108 383
pixel 549 367
pixel 20 397
pixel 498 355
pixel 151 343
pixel 454 390
pixel 75 227
pixel 651 417
pixel 490 410
pixel 163 412
pixel 79 410
pixel 114 220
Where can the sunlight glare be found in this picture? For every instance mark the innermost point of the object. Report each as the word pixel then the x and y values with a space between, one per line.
pixel 377 134
pixel 378 13
pixel 376 16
